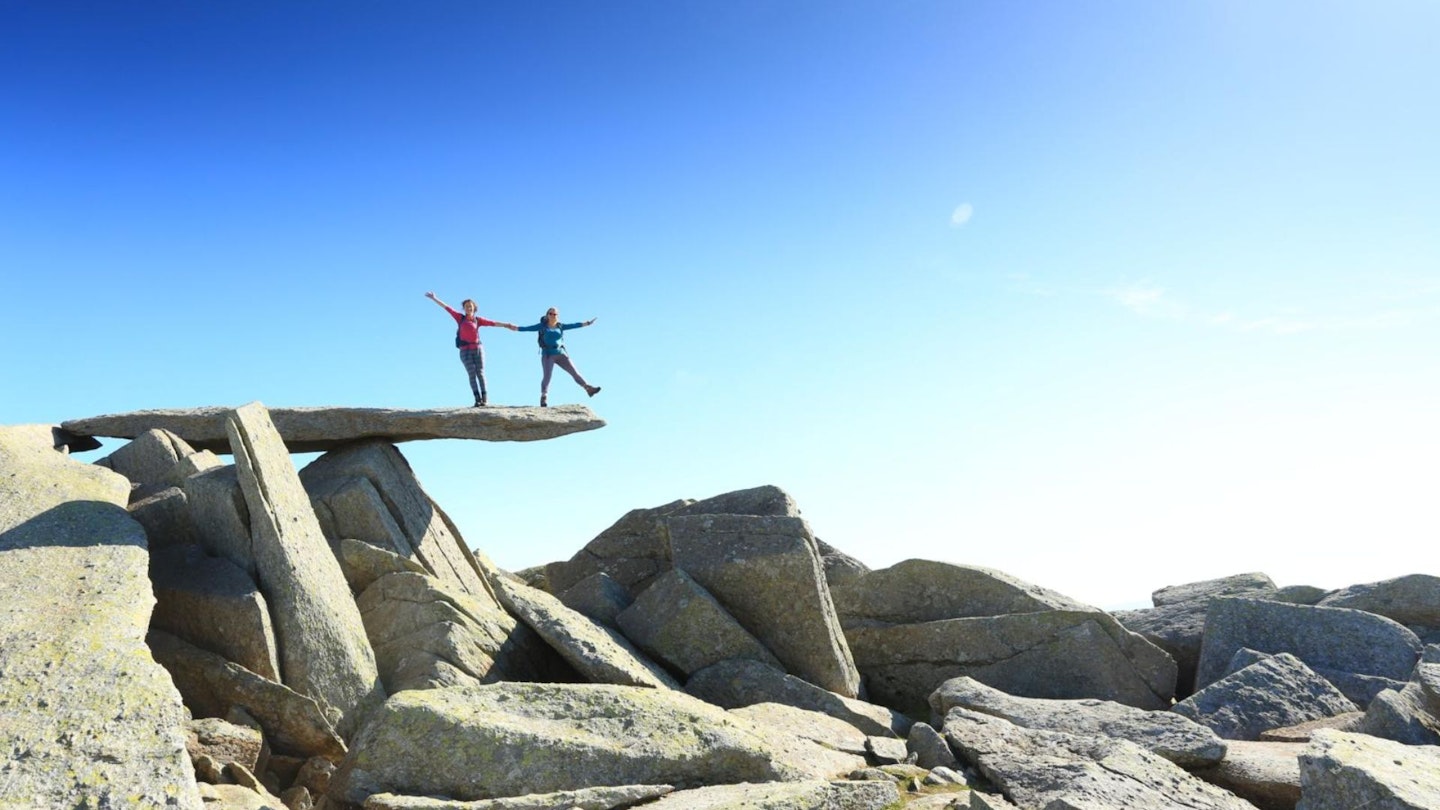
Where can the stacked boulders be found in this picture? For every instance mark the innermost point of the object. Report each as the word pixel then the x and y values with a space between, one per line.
pixel 331 641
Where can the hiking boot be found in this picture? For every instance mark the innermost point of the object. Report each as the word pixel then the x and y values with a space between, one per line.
pixel 543 403
pixel 481 402
pixel 592 390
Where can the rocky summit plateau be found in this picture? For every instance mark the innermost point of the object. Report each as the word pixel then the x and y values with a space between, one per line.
pixel 182 630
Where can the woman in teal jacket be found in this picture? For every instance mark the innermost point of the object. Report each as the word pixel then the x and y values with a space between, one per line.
pixel 552 351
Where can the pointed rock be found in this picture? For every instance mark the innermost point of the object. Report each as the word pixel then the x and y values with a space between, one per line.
pixel 209 602
pixel 1049 769
pixel 324 652
pixel 367 491
pixel 1275 692
pixel 598 653
pixel 766 571
pixel 681 625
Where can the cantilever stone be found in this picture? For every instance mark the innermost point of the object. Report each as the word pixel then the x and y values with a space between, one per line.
pixel 322 428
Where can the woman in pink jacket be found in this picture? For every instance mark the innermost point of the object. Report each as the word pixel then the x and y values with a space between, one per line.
pixel 467 340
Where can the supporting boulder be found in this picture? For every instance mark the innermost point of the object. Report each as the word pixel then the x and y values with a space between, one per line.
pixel 324 652
pixel 87 718
pixel 1341 771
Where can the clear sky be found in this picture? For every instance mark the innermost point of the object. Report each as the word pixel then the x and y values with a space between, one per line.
pixel 1106 295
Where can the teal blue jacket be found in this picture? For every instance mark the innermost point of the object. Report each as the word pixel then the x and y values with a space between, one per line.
pixel 551 337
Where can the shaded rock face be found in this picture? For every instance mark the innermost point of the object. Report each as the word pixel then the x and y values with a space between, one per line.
pixel 680 624
pixel 209 602
pixel 1177 622
pixel 212 687
pixel 597 596
pixel 1275 692
pixel 426 636
pixel 86 716
pixel 1328 640
pixel 635 550
pixel 324 652
pixel 305 430
pixel 1048 769
pixel 1341 771
pixel 513 739
pixel 1410 715
pixel 1176 738
pixel 598 653
pixel 368 492
pixel 1053 654
pixel 766 571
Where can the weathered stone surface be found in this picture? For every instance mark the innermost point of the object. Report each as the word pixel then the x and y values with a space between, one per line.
pixel 840 568
pixel 742 682
pixel 887 750
pixel 1409 600
pixel 1359 689
pixel 784 796
pixel 814 726
pixel 1276 692
pixel 598 596
pixel 917 591
pixel 635 550
pixel 1410 715
pixel 86 716
pixel 1056 771
pixel 598 653
pixel 166 518
pixel 48 437
pixel 1341 771
pixel 224 742
pixel 324 652
pixel 220 516
pixel 293 723
pixel 1177 622
pixel 1302 732
pixel 427 635
pixel 1326 639
pixel 1266 774
pixel 1251 584
pixel 306 430
pixel 510 739
pixel 1052 654
pixel 929 747
pixel 238 797
pixel 1176 738
pixel 367 491
pixel 363 563
pixel 766 571
pixel 599 798
pixel 1299 594
pixel 209 602
pixel 678 623
pixel 148 461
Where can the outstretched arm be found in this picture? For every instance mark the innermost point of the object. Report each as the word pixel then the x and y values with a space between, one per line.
pixel 432 297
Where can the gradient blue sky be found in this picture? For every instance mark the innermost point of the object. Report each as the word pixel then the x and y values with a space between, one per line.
pixel 1109 296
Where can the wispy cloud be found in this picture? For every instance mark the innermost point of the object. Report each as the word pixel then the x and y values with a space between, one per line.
pixel 1151 301
pixel 961 215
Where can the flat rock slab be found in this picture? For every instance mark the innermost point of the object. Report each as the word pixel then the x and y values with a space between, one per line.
pixel 598 798
pixel 784 796
pixel 314 429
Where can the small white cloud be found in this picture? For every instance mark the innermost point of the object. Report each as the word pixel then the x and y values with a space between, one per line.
pixel 961 215
pixel 1143 299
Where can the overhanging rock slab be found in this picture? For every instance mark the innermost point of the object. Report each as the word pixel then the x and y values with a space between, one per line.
pixel 321 428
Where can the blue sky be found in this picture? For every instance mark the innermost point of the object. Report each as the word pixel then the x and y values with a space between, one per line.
pixel 1109 296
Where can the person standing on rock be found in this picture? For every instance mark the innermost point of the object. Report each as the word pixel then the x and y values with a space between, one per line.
pixel 467 340
pixel 552 351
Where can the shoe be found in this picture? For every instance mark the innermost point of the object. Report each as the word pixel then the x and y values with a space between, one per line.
pixel 543 403
pixel 592 390
pixel 481 402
